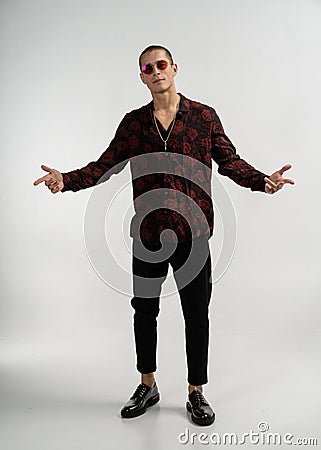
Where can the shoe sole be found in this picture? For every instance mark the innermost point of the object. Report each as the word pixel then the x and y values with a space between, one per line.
pixel 202 422
pixel 150 402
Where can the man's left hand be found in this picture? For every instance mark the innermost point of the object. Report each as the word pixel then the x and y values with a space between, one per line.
pixel 276 181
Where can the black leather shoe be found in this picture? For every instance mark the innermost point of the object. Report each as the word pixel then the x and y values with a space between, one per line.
pixel 142 398
pixel 200 411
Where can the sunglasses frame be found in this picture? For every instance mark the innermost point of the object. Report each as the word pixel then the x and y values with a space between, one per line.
pixel 150 71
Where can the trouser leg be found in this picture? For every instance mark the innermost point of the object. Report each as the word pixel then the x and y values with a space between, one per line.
pixel 147 282
pixel 195 299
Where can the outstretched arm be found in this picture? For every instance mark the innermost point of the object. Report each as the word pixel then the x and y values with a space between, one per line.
pixel 241 172
pixel 229 163
pixel 92 173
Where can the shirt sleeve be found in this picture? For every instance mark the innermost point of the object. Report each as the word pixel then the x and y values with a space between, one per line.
pixel 230 164
pixel 111 161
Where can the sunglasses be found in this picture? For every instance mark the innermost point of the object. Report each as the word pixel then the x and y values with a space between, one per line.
pixel 161 65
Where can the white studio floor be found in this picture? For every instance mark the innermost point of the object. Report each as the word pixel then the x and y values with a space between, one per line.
pixel 65 392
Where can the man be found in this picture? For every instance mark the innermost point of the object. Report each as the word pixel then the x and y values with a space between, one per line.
pixel 174 216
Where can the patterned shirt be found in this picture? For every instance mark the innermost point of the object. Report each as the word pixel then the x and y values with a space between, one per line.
pixel 172 183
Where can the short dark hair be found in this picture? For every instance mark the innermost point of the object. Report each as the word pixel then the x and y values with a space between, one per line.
pixel 155 47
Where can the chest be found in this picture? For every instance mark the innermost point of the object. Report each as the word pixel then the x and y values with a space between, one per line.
pixel 164 120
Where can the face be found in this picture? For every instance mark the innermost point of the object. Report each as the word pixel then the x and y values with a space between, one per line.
pixel 159 80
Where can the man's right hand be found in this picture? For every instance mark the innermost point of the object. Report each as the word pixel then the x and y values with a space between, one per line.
pixel 53 180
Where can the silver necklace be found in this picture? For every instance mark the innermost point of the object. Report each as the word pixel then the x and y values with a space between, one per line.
pixel 165 140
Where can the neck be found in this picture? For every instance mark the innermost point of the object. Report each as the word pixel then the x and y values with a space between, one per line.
pixel 165 101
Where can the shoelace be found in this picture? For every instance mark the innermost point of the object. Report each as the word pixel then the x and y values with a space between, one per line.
pixel 199 399
pixel 140 391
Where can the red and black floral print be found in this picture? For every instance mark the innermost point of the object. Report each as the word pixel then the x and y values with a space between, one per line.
pixel 172 189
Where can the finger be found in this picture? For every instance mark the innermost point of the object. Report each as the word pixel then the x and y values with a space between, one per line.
pixel 268 189
pixel 287 180
pixel 44 178
pixel 269 182
pixel 46 168
pixel 49 180
pixel 284 168
pixel 40 180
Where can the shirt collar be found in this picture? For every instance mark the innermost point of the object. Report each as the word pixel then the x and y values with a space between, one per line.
pixel 183 104
pixel 182 107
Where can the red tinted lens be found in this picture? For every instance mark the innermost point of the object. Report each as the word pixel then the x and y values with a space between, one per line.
pixel 147 69
pixel 161 65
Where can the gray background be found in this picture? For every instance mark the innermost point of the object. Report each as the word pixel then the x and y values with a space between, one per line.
pixel 68 75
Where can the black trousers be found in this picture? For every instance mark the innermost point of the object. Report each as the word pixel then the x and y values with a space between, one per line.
pixel 193 281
